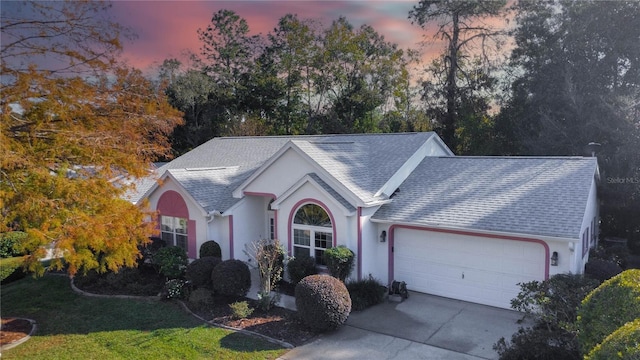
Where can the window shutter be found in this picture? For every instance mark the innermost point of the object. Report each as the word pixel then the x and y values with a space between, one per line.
pixel 192 245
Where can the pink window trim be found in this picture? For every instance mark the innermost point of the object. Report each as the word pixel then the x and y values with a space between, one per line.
pixel 459 232
pixel 359 255
pixel 172 204
pixel 296 207
pixel 192 250
pixel 231 236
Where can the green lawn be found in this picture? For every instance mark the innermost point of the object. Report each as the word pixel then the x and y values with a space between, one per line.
pixel 71 326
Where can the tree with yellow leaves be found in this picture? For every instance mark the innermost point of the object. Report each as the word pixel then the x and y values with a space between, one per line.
pixel 76 127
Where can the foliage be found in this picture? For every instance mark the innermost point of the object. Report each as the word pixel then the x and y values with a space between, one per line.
pixel 323 302
pixel 231 278
pixel 127 281
pixel 172 261
pixel 11 243
pixel 602 270
pixel 340 261
pixel 112 327
pixel 552 304
pixel 456 87
pixel 365 293
pixel 199 271
pixel 300 267
pixel 608 307
pixel 149 250
pixel 11 269
pixel 268 255
pixel 176 289
pixel 74 121
pixel 210 248
pixel 621 344
pixel 200 298
pixel 241 310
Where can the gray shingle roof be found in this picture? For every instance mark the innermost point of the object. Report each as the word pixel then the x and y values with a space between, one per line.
pixel 542 196
pixel 362 162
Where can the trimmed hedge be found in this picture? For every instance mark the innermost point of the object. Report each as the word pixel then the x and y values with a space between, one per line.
pixel 210 248
pixel 340 261
pixel 11 243
pixel 623 343
pixel 300 267
pixel 323 302
pixel 199 271
pixel 611 305
pixel 365 293
pixel 231 278
pixel 11 269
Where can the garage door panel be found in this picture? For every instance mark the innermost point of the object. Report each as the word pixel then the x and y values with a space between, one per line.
pixel 435 263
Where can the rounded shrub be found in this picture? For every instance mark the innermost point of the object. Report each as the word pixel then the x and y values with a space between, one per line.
pixel 323 302
pixel 11 243
pixel 199 271
pixel 602 270
pixel 300 267
pixel 611 305
pixel 621 344
pixel 231 278
pixel 210 248
pixel 172 261
pixel 339 261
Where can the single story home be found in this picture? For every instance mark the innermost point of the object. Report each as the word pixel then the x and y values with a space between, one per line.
pixel 469 228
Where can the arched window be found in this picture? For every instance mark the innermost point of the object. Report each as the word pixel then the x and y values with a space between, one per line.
pixel 312 232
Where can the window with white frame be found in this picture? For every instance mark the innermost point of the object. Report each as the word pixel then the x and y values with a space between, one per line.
pixel 174 231
pixel 312 232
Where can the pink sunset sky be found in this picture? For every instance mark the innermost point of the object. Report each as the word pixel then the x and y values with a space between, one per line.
pixel 166 28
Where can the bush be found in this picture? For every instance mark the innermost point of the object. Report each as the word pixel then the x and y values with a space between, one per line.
pixel 11 269
pixel 200 298
pixel 210 248
pixel 11 244
pixel 602 270
pixel 539 343
pixel 240 310
pixel 615 253
pixel 127 281
pixel 199 271
pixel 323 302
pixel 621 344
pixel 608 307
pixel 172 261
pixel 300 267
pixel 365 293
pixel 149 250
pixel 340 261
pixel 176 289
pixel 231 278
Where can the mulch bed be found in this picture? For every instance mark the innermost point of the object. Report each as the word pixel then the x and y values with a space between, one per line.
pixel 12 330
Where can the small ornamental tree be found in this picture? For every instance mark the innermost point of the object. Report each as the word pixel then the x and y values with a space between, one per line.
pixel 268 257
pixel 323 302
pixel 340 261
pixel 608 307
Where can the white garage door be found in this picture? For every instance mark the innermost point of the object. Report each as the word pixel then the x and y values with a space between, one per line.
pixel 470 268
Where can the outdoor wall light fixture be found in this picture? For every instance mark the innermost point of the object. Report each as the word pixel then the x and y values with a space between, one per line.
pixel 554 259
pixel 383 236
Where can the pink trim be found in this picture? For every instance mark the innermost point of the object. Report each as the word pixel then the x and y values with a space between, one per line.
pixel 230 236
pixel 295 208
pixel 251 193
pixel 192 250
pixel 391 234
pixel 171 203
pixel 359 258
pixel 275 223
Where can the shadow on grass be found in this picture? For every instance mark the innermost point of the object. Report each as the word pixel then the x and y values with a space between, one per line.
pixel 243 343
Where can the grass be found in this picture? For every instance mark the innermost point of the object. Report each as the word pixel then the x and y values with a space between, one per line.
pixel 72 326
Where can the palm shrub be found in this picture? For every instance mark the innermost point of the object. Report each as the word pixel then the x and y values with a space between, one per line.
pixel 323 302
pixel 300 267
pixel 210 248
pixel 172 261
pixel 339 261
pixel 199 271
pixel 621 344
pixel 611 305
pixel 365 293
pixel 231 278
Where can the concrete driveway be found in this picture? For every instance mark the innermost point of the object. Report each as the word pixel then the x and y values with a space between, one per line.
pixel 421 327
